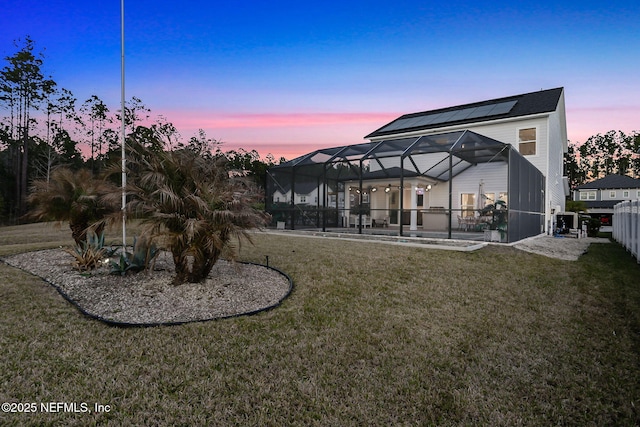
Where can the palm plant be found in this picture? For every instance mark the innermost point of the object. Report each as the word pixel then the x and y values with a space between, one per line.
pixel 73 196
pixel 195 205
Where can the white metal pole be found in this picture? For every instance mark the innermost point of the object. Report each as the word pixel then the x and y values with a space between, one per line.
pixel 122 130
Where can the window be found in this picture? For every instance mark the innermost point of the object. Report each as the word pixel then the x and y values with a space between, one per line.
pixel 527 141
pixel 587 195
pixel 625 194
pixel 612 194
pixel 467 204
pixel 303 199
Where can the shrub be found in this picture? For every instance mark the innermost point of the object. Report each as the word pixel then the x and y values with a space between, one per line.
pixel 195 204
pixel 143 255
pixel 89 253
pixel 593 226
pixel 71 196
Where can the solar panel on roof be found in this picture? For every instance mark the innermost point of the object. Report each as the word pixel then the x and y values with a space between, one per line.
pixel 462 114
pixel 451 116
pixel 429 119
pixel 413 122
pixel 391 126
pixel 446 116
pixel 502 108
pixel 399 124
pixel 480 111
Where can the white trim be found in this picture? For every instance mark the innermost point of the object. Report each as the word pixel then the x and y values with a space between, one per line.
pixel 537 142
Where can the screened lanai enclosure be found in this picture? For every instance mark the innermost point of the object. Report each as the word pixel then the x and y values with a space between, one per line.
pixel 455 185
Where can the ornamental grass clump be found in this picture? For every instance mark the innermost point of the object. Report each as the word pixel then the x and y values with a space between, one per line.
pixel 197 208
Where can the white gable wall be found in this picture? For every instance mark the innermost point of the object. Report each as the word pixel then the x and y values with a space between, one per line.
pixel 493 176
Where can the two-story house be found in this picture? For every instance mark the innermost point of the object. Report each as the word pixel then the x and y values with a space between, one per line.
pixel 601 195
pixel 447 170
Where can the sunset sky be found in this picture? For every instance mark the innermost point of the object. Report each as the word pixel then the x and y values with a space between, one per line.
pixel 287 77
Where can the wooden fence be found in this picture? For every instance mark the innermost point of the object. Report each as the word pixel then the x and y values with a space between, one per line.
pixel 626 226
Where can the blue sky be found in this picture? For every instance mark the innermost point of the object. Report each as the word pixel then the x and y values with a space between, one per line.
pixel 289 77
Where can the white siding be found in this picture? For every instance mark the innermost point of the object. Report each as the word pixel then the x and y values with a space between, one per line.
pixel 557 148
pixel 507 132
pixel 493 176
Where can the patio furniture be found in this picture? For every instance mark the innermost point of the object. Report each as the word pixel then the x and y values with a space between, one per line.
pixel 463 223
pixel 380 223
pixel 355 221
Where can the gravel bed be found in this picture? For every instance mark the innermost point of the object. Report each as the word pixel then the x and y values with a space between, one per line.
pixel 149 298
pixel 564 248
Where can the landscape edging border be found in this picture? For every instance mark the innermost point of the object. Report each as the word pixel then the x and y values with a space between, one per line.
pixel 155 324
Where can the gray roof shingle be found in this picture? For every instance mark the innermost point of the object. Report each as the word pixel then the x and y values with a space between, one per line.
pixel 611 182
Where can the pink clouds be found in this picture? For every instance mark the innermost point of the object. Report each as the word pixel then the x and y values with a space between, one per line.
pixel 292 134
pixel 214 120
pixel 281 134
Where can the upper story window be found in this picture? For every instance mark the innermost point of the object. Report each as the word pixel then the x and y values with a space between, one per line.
pixel 625 194
pixel 303 199
pixel 612 194
pixel 587 195
pixel 527 141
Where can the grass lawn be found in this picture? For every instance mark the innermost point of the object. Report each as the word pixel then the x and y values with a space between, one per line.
pixel 371 335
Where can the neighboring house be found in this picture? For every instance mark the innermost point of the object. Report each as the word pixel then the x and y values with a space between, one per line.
pixel 305 194
pixel 452 161
pixel 601 195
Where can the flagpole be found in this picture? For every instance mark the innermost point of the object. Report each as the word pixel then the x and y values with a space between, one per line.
pixel 122 131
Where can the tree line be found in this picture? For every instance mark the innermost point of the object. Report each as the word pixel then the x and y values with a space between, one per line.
pixel 614 152
pixel 44 126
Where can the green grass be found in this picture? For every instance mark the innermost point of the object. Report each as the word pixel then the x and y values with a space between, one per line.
pixel 371 335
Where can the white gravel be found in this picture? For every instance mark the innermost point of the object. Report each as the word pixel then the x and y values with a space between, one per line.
pixel 150 298
pixel 565 248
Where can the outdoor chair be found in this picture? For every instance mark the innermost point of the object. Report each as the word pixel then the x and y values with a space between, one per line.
pixel 463 223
